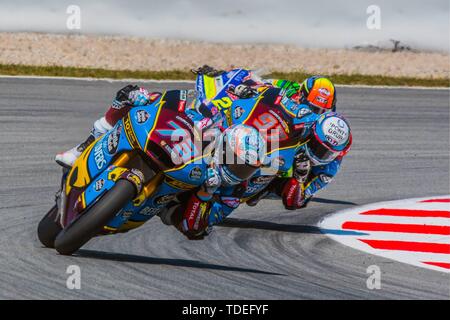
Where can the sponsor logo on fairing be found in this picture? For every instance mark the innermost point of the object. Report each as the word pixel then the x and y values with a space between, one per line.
pixel 149 211
pixel 142 116
pixel 99 184
pixel 99 156
pixel 195 174
pixel 112 142
pixel 126 215
pixel 238 112
pixel 131 136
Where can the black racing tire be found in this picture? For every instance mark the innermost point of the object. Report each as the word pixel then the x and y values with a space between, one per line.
pixel 90 223
pixel 49 228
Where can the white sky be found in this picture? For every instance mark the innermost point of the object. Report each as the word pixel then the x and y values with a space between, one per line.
pixel 318 23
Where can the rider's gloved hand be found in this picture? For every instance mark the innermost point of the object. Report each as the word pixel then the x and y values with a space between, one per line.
pixel 207 70
pixel 293 195
pixel 302 167
pixel 131 95
pixel 195 217
pixel 243 91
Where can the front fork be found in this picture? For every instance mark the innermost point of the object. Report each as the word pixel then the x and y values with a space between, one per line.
pixel 60 196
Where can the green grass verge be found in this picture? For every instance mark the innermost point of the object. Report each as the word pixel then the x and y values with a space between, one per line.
pixel 57 71
pixel 8 69
pixel 369 80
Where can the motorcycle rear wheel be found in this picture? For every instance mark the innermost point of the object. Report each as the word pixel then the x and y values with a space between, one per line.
pixel 90 223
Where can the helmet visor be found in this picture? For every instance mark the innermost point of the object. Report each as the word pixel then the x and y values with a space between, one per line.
pixel 320 152
pixel 316 109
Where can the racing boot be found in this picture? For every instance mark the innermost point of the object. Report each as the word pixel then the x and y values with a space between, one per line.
pixel 273 185
pixel 68 158
pixel 253 201
pixel 207 70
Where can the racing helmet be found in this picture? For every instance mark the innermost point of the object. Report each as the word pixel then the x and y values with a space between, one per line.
pixel 319 94
pixel 239 154
pixel 330 137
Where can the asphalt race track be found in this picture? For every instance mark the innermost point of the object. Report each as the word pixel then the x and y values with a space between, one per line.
pixel 400 150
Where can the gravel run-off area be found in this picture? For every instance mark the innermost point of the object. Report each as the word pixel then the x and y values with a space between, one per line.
pixel 132 53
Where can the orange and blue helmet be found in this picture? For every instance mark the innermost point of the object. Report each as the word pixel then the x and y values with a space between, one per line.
pixel 319 94
pixel 330 137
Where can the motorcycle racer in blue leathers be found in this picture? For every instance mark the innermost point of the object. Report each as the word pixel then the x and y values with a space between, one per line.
pixel 309 174
pixel 296 191
pixel 317 162
pixel 317 92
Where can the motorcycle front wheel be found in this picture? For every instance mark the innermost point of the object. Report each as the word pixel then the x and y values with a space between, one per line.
pixel 90 223
pixel 49 228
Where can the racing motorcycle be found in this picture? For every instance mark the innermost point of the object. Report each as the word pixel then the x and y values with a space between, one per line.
pixel 127 175
pixel 282 122
pixel 137 169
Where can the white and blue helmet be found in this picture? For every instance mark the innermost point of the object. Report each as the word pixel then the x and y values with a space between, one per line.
pixel 329 138
pixel 239 154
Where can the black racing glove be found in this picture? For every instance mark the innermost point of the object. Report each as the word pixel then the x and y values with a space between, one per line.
pixel 123 95
pixel 243 91
pixel 207 70
pixel 302 167
pixel 122 98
